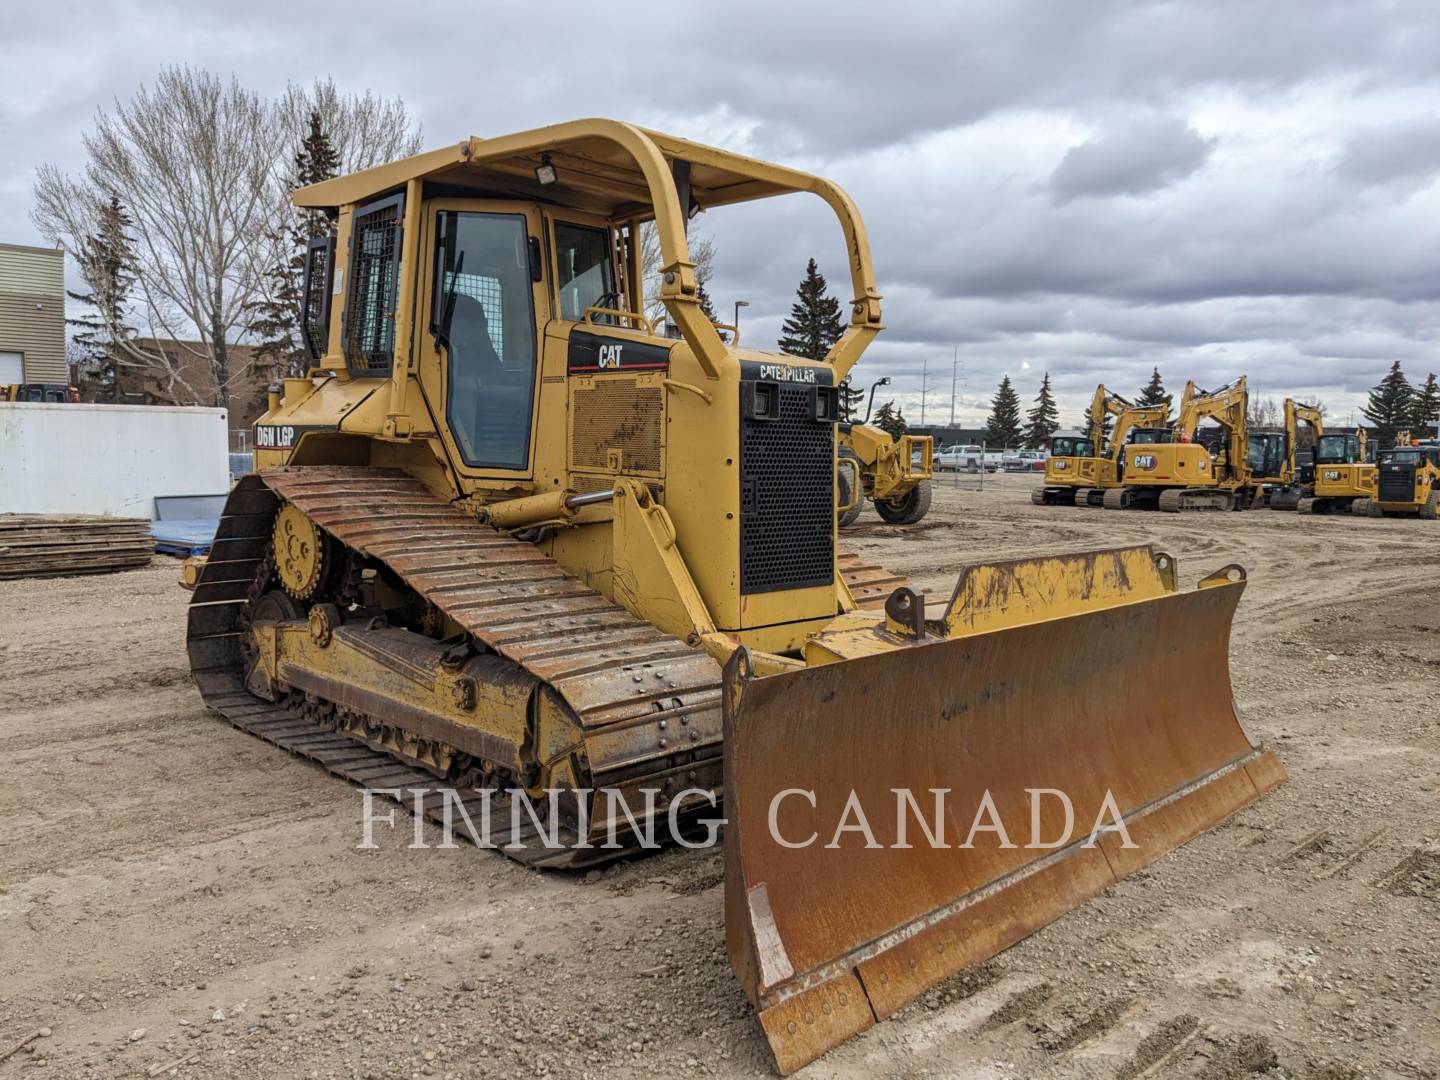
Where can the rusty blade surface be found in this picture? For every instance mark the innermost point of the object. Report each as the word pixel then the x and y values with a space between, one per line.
pixel 829 937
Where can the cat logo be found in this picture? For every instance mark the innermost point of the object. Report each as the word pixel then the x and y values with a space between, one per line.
pixel 1144 461
pixel 609 356
pixel 1062 465
pixel 1331 474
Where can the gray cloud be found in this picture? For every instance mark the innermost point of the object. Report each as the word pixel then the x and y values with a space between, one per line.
pixel 1143 155
pixel 1405 154
pixel 1273 162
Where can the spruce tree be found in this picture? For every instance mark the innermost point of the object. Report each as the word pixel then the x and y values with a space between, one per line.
pixel 889 418
pixel 276 320
pixel 851 399
pixel 1003 427
pixel 1391 405
pixel 1427 408
pixel 814 324
pixel 1154 393
pixel 106 262
pixel 1043 419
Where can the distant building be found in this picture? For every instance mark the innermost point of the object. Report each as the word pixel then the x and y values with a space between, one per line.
pixel 152 385
pixel 32 315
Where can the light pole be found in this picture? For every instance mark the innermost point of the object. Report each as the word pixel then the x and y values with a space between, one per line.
pixel 738 305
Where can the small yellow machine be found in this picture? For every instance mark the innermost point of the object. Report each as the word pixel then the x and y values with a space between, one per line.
pixel 1297 482
pixel 1175 472
pixel 1344 477
pixel 54 393
pixel 1407 481
pixel 507 540
pixel 892 473
pixel 1079 470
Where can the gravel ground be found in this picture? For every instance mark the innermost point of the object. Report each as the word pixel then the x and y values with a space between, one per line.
pixel 173 891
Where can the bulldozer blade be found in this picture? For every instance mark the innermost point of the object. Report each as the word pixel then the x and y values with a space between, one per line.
pixel 845 899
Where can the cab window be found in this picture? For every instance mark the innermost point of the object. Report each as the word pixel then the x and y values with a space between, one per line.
pixel 484 316
pixel 583 272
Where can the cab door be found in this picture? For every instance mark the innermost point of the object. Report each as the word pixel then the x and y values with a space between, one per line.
pixel 479 347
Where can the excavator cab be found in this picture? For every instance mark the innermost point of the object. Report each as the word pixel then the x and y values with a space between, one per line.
pixel 1344 475
pixel 509 540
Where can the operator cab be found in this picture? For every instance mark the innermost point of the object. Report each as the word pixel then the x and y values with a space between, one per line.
pixel 1265 453
pixel 1149 436
pixel 1338 450
pixel 1069 446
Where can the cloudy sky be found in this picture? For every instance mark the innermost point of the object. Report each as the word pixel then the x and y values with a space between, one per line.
pixel 1085 188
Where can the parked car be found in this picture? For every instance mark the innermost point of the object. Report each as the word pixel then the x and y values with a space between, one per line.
pixel 967 459
pixel 1024 460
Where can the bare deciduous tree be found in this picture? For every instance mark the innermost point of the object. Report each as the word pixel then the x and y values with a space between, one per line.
pixel 193 160
pixel 204 167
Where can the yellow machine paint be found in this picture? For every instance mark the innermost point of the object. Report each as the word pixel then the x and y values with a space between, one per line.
pixel 1180 473
pixel 1080 470
pixel 1296 484
pixel 1407 481
pixel 508 534
pixel 1345 474
pixel 892 473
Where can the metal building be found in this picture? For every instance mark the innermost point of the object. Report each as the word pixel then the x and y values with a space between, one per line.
pixel 32 315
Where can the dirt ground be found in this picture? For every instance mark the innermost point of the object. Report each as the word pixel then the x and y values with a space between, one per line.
pixel 174 891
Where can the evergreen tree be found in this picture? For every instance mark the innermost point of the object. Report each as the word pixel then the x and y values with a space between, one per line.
pixel 1043 419
pixel 106 261
pixel 1391 405
pixel 1427 408
pixel 1154 393
pixel 702 296
pixel 851 399
pixel 814 324
pixel 276 319
pixel 889 418
pixel 1003 427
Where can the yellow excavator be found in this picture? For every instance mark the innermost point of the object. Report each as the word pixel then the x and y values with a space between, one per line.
pixel 1297 479
pixel 893 473
pixel 1343 480
pixel 1080 470
pixel 511 547
pixel 1174 471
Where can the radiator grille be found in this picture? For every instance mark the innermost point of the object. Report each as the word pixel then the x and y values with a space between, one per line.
pixel 787 497
pixel 374 285
pixel 1397 483
pixel 617 414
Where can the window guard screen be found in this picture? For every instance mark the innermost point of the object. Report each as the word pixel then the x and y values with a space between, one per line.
pixel 374 285
pixel 315 295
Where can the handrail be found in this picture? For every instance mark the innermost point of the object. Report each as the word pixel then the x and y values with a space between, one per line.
pixel 619 313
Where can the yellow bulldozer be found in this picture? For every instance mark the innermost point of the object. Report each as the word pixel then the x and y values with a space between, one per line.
pixel 1080 470
pixel 892 473
pixel 1174 471
pixel 508 544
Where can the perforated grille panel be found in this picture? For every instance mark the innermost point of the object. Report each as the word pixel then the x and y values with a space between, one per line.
pixel 374 285
pixel 617 414
pixel 1397 483
pixel 315 319
pixel 787 497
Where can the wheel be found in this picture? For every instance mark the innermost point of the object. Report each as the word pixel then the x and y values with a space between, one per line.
pixel 1373 509
pixel 909 508
pixel 1115 499
pixel 847 518
pixel 1037 496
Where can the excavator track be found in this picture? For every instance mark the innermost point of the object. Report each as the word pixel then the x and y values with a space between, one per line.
pixel 1176 500
pixel 648 703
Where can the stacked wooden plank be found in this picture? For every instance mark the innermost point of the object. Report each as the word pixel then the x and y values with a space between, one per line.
pixel 54 545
